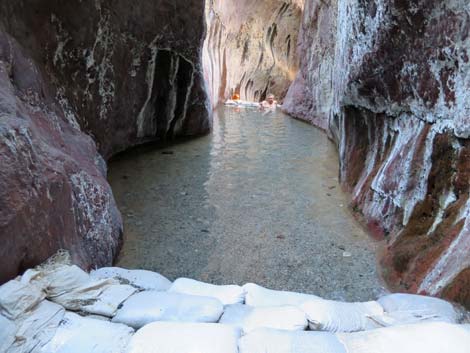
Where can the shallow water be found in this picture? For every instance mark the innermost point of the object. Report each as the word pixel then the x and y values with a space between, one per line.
pixel 256 201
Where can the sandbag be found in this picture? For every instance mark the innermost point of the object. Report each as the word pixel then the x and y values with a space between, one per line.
pixel 168 337
pixel 109 300
pixel 16 298
pixel 411 308
pixel 279 341
pixel 76 290
pixel 66 279
pixel 83 335
pixel 334 316
pixel 230 294
pixel 146 307
pixel 7 333
pixel 260 296
pixel 141 279
pixel 433 337
pixel 36 328
pixel 249 318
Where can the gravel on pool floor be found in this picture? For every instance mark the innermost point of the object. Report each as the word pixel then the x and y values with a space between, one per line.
pixel 258 200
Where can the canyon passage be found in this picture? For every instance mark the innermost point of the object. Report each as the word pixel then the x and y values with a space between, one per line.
pixel 256 201
pixel 81 82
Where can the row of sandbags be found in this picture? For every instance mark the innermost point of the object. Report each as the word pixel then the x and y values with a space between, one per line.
pixel 35 315
pixel 428 337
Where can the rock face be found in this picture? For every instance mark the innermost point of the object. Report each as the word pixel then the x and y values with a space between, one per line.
pixel 53 188
pixel 310 97
pixel 123 73
pixel 251 47
pixel 103 57
pixel 389 80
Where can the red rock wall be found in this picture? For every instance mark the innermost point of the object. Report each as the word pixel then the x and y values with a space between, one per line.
pixel 102 55
pixel 81 79
pixel 398 105
pixel 251 47
pixel 310 96
pixel 53 188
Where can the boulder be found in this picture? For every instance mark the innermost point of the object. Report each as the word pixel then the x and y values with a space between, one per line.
pixel 53 188
pixel 78 84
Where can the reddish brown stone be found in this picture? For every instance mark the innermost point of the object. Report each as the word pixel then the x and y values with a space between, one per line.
pixel 390 81
pixel 77 77
pixel 457 290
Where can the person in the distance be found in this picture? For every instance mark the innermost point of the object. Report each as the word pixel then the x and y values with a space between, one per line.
pixel 269 104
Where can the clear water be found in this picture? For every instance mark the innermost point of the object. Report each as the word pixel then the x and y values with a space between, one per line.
pixel 256 201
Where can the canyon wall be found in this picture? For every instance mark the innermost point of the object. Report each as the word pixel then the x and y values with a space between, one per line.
pixel 389 81
pixel 81 80
pixel 251 48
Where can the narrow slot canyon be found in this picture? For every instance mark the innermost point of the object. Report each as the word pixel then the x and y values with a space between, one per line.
pixel 143 136
pixel 256 201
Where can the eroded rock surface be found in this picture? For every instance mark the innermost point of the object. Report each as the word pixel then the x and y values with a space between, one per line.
pixel 390 81
pixel 123 73
pixel 103 57
pixel 53 188
pixel 251 47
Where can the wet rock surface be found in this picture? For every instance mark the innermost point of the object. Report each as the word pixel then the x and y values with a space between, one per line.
pixel 251 48
pixel 247 204
pixel 396 102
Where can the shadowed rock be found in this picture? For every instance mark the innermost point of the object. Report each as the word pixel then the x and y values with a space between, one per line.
pixel 81 80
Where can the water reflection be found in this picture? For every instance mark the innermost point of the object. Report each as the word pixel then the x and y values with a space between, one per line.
pixel 258 201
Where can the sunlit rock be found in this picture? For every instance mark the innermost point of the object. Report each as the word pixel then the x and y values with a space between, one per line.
pixel 251 48
pixel 389 81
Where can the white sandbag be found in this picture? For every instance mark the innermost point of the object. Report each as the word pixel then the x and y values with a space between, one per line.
pixel 279 341
pixel 170 337
pixel 260 296
pixel 109 300
pixel 75 290
pixel 7 333
pixel 37 327
pixel 64 279
pixel 83 335
pixel 17 298
pixel 230 294
pixel 146 307
pixel 409 308
pixel 249 318
pixel 334 316
pixel 141 279
pixel 433 337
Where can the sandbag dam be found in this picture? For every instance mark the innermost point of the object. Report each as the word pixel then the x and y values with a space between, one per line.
pixel 305 156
